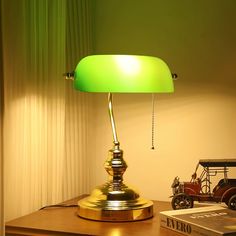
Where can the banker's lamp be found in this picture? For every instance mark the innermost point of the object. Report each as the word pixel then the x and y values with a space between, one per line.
pixel 115 201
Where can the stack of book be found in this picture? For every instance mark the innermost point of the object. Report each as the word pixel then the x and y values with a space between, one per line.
pixel 201 221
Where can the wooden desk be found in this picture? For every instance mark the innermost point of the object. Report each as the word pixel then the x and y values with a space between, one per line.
pixel 64 221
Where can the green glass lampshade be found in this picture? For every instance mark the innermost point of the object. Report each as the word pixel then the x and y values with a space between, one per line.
pixel 123 74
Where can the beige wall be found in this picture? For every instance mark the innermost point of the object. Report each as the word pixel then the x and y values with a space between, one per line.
pixel 197 40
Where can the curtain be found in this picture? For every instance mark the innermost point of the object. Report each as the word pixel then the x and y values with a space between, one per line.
pixel 46 122
pixel 1 136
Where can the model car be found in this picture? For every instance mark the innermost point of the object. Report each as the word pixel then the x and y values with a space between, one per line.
pixel 201 188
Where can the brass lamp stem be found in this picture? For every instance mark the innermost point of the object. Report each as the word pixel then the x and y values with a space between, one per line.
pixel 112 120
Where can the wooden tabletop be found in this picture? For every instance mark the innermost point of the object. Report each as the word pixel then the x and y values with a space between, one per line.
pixel 64 221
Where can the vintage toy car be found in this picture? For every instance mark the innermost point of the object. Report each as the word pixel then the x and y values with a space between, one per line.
pixel 201 189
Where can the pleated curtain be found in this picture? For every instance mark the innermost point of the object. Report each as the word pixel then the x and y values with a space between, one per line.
pixel 1 137
pixel 46 123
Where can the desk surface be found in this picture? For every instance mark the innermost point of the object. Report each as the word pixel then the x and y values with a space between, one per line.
pixel 64 221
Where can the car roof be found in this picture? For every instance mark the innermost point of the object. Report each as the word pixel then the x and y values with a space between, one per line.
pixel 217 162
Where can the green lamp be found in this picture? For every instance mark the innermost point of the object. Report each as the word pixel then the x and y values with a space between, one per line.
pixel 114 200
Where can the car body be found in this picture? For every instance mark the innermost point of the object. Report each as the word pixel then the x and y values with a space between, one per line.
pixel 200 188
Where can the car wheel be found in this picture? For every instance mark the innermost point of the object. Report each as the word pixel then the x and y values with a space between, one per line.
pixel 232 202
pixel 205 189
pixel 181 201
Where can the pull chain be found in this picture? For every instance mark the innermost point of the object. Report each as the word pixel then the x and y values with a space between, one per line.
pixel 153 121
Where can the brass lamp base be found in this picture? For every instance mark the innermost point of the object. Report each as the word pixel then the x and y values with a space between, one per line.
pixel 105 204
pixel 115 201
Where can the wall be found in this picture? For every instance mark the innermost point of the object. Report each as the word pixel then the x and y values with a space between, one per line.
pixel 197 40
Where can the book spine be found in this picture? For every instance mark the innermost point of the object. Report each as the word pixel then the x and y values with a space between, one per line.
pixel 184 228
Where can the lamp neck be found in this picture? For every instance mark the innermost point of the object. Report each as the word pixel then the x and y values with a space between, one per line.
pixel 112 120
